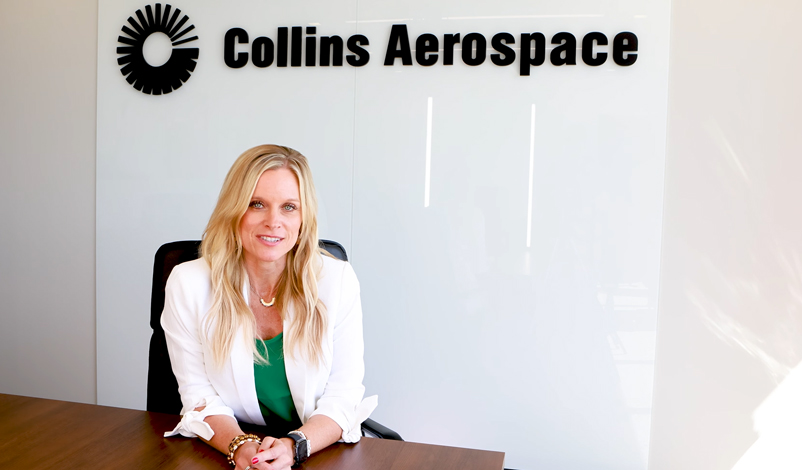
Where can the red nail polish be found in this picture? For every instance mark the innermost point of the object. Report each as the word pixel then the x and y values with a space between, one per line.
pixel 254 461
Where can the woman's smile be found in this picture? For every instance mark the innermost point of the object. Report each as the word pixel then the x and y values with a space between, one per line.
pixel 271 241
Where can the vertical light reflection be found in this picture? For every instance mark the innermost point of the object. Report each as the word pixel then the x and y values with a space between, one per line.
pixel 531 173
pixel 428 154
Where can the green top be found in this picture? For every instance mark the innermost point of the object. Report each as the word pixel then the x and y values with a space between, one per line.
pixel 272 389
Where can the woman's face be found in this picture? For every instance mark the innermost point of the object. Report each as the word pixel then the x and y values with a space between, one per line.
pixel 269 229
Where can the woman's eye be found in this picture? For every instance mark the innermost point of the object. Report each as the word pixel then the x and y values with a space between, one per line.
pixel 289 207
pixel 257 205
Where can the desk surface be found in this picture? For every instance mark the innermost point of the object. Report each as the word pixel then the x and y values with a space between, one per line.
pixel 40 434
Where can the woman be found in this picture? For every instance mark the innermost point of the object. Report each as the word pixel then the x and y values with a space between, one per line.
pixel 263 328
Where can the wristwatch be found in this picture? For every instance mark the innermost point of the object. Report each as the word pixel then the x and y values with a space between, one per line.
pixel 302 449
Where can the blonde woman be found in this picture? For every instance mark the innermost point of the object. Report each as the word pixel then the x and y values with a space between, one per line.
pixel 264 328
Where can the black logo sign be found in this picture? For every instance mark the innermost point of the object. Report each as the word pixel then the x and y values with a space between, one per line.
pixel 302 49
pixel 172 74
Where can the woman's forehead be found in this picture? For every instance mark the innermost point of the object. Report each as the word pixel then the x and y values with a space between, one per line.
pixel 279 182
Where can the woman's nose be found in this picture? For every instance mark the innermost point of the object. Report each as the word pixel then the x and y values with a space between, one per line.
pixel 272 218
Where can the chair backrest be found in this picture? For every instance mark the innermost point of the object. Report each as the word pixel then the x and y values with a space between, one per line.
pixel 163 394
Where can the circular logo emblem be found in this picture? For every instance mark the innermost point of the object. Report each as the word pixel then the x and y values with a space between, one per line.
pixel 178 68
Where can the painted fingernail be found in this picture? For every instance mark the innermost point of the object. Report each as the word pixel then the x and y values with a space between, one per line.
pixel 255 461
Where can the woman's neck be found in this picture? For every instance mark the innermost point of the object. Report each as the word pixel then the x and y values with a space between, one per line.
pixel 264 276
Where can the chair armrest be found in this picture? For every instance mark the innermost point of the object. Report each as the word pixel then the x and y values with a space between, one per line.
pixel 371 428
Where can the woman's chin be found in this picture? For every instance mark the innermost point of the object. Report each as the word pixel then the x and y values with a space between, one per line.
pixel 266 255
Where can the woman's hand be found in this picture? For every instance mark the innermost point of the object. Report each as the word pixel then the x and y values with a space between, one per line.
pixel 273 454
pixel 244 454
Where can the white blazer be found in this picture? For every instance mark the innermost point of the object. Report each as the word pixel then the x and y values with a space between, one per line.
pixel 333 389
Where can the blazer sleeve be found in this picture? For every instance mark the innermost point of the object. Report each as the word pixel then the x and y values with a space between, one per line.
pixel 342 397
pixel 185 305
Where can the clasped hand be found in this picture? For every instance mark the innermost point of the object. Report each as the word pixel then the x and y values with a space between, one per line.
pixel 272 454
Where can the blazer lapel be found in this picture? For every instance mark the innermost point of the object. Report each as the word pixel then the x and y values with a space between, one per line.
pixel 296 375
pixel 242 367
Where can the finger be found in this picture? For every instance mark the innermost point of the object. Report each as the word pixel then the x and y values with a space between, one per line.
pixel 276 450
pixel 267 442
pixel 262 446
pixel 282 463
pixel 259 466
pixel 284 459
pixel 278 464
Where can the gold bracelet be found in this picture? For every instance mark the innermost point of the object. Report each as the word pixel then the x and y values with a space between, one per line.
pixel 239 441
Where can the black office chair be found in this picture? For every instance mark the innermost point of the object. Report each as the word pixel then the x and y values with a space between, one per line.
pixel 163 394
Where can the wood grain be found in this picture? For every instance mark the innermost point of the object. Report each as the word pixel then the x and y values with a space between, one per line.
pixel 47 434
pixel 397 455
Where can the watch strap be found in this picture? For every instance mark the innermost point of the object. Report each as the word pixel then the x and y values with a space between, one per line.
pixel 302 447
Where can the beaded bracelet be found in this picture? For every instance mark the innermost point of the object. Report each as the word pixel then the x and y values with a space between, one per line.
pixel 239 441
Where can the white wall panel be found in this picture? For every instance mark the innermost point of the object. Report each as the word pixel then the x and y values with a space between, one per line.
pixel 727 387
pixel 544 351
pixel 477 334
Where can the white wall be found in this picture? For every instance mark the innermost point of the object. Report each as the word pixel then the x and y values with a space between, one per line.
pixel 47 189
pixel 731 277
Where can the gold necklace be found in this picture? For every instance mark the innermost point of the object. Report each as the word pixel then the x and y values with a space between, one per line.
pixel 262 301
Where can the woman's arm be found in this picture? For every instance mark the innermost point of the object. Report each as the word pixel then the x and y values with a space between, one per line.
pixel 320 431
pixel 342 398
pixel 226 429
pixel 185 303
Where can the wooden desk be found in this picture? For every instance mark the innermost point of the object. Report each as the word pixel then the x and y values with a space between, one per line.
pixel 40 434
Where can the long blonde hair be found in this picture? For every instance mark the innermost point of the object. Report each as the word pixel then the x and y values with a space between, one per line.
pixel 222 249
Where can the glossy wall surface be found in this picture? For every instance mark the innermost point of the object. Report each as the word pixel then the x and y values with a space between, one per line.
pixel 505 228
pixel 729 356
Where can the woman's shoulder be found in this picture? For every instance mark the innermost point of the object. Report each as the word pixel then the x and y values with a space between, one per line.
pixel 191 272
pixel 336 274
pixel 334 267
pixel 188 291
pixel 331 263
